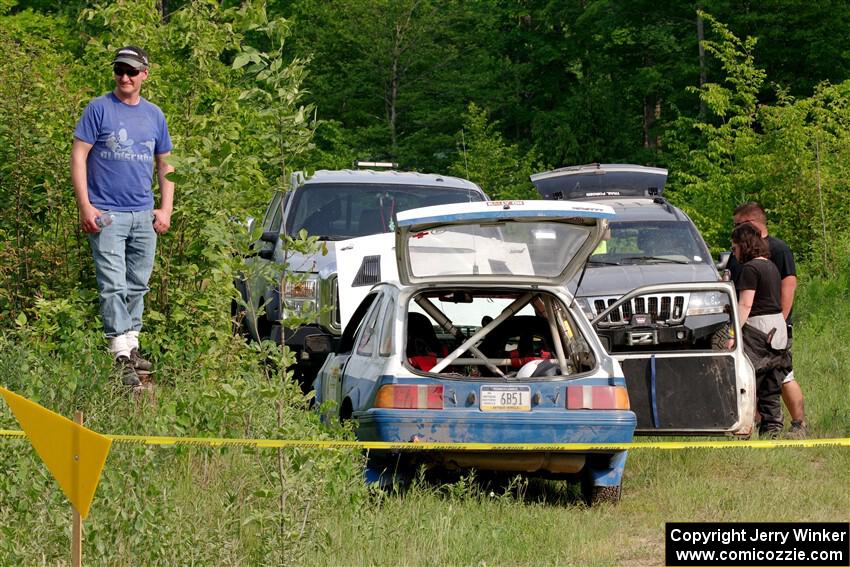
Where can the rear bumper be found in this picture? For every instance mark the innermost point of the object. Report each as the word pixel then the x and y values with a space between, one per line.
pixel 532 428
pixel 473 426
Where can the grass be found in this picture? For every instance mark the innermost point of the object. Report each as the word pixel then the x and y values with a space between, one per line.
pixel 432 526
pixel 193 506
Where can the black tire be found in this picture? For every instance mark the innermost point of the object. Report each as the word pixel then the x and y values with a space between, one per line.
pixel 720 337
pixel 389 473
pixel 603 495
pixel 346 410
pixel 594 495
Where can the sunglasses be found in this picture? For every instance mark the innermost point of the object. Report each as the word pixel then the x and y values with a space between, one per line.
pixel 129 71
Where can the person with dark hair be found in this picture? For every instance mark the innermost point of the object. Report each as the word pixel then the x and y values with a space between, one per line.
pixel 762 324
pixel 117 142
pixel 781 255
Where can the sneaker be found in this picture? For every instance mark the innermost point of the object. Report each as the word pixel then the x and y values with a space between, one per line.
pixel 129 377
pixel 798 430
pixel 769 433
pixel 140 364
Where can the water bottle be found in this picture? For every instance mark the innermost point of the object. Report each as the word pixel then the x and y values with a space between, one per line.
pixel 103 220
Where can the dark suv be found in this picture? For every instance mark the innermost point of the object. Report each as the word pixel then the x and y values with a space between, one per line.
pixel 341 208
pixel 672 343
pixel 650 242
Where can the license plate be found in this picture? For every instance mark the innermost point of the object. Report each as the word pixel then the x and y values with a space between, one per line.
pixel 505 398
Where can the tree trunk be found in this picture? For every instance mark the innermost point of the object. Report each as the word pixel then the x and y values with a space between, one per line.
pixel 651 113
pixel 392 99
pixel 702 74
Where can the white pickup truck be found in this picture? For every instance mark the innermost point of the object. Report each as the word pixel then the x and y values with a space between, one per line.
pixel 340 207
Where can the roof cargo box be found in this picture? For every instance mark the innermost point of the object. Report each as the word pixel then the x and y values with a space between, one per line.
pixel 600 180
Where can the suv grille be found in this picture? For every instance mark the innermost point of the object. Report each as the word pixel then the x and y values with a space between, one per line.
pixel 669 309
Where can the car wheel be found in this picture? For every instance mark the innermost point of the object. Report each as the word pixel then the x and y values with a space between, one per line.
pixel 345 410
pixel 595 494
pixel 602 494
pixel 389 474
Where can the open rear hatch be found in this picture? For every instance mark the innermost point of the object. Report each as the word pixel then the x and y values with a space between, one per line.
pixel 498 242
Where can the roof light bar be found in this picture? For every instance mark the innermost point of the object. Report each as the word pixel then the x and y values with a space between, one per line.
pixel 385 164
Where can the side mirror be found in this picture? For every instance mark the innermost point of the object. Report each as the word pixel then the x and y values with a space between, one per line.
pixel 723 260
pixel 271 237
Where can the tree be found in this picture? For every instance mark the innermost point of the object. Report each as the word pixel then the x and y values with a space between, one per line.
pixel 800 43
pixel 704 167
pixel 41 250
pixel 484 157
pixel 396 76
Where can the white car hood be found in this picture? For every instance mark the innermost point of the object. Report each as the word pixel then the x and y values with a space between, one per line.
pixel 350 256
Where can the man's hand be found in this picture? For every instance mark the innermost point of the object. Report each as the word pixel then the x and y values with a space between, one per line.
pixel 79 154
pixel 88 216
pixel 161 220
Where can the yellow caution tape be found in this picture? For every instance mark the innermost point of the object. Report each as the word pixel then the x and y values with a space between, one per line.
pixel 423 446
pixel 75 455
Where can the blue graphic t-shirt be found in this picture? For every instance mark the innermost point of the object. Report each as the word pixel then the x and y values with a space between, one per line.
pixel 125 140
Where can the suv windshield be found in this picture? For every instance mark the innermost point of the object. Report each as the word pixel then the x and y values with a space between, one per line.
pixel 341 211
pixel 644 242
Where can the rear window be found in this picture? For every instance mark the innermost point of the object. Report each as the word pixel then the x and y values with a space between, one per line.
pixel 341 211
pixel 525 249
pixel 651 242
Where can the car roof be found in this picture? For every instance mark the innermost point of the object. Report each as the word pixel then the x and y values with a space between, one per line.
pixel 643 209
pixel 389 177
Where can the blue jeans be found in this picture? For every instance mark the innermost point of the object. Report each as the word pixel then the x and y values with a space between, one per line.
pixel 123 259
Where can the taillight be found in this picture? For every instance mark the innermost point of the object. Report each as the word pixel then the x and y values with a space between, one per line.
pixel 420 396
pixel 597 397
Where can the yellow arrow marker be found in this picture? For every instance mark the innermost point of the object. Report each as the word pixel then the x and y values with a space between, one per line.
pixel 73 454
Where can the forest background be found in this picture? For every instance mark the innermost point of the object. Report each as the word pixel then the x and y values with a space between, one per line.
pixel 740 100
pixel 490 90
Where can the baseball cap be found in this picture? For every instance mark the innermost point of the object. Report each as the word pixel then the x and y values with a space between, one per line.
pixel 135 57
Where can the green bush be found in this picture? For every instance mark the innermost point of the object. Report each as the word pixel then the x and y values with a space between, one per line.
pixel 231 95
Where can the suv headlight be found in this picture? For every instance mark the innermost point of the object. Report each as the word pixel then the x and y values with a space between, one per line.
pixel 300 294
pixel 707 303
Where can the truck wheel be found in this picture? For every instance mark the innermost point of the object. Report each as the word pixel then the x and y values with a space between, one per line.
pixel 720 338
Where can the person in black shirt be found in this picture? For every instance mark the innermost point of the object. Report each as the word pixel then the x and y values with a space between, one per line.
pixel 763 326
pixel 783 258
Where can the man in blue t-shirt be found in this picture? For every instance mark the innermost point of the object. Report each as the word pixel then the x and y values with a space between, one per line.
pixel 117 142
pixel 781 255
